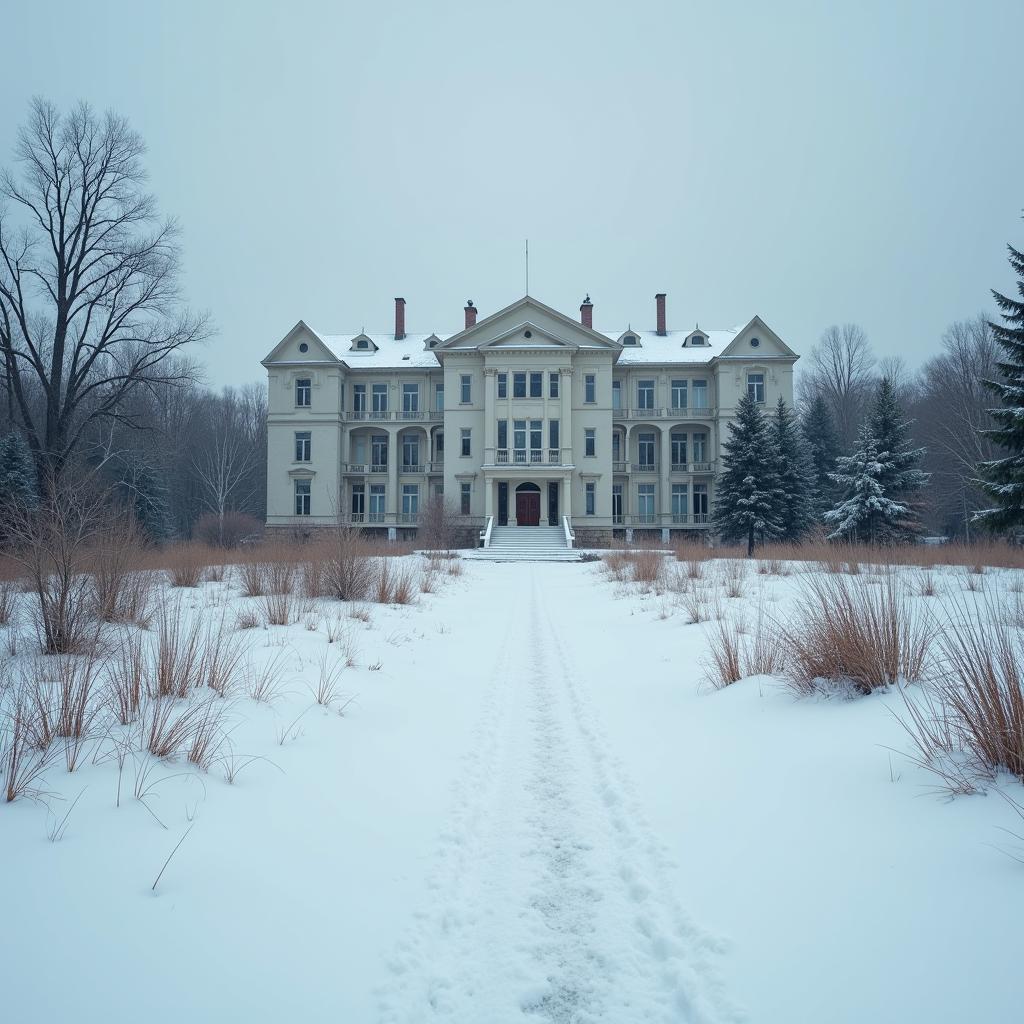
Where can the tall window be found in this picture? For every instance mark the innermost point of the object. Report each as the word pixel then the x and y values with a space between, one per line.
pixel 303 391
pixel 590 442
pixel 410 452
pixel 536 385
pixel 503 385
pixel 700 445
pixel 536 439
pixel 680 498
pixel 359 400
pixel 465 388
pixel 700 503
pixel 616 503
pixel 380 400
pixel 645 450
pixel 502 433
pixel 553 385
pixel 303 444
pixel 358 503
pixel 590 388
pixel 465 435
pixel 410 500
pixel 616 446
pixel 466 493
pixel 518 385
pixel 379 452
pixel 679 394
pixel 410 398
pixel 303 490
pixel 679 450
pixel 591 496
pixel 700 394
pixel 376 503
pixel 553 439
pixel 645 394
pixel 439 397
pixel 616 394
pixel 519 439
pixel 755 386
pixel 645 503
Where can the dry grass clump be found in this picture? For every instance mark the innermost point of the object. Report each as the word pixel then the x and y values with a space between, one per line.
pixel 735 577
pixel 178 655
pixel 23 763
pixel 647 566
pixel 455 566
pixel 281 609
pixel 926 585
pixel 264 679
pixel 126 676
pixel 223 655
pixel 846 631
pixel 252 577
pixel 971 724
pixel 187 564
pixel 247 618
pixel 349 572
pixel 722 664
pixel 327 688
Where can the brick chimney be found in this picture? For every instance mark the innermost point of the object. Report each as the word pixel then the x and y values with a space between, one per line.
pixel 470 311
pixel 587 313
pixel 399 319
pixel 659 300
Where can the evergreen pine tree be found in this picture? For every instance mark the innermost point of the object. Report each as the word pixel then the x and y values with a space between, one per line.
pixel 902 480
pixel 147 498
pixel 17 471
pixel 748 496
pixel 1003 479
pixel 795 472
pixel 823 440
pixel 866 513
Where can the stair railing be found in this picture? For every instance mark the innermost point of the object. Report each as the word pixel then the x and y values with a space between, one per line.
pixel 485 533
pixel 570 537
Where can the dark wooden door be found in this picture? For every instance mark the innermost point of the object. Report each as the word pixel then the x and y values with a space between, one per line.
pixel 528 508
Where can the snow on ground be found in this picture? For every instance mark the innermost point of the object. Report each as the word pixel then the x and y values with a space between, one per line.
pixel 533 809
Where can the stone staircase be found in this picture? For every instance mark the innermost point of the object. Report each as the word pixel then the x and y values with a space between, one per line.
pixel 527 544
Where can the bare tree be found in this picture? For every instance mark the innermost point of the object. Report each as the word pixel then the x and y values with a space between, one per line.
pixel 225 462
pixel 952 412
pixel 90 309
pixel 840 369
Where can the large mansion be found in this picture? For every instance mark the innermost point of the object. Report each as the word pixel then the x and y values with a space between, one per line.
pixel 524 417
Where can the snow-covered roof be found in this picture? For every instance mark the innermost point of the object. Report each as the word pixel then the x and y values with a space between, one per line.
pixel 668 348
pixel 385 352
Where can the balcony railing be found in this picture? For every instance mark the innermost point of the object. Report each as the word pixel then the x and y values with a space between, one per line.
pixel 527 456
pixel 620 467
pixel 408 415
pixel 663 413
pixel 645 467
pixel 693 467
pixel 661 519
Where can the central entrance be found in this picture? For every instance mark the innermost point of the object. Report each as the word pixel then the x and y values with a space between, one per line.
pixel 528 505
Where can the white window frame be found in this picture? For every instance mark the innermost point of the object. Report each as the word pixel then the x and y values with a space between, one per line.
pixel 590 495
pixel 303 392
pixel 465 442
pixel 590 442
pixel 465 389
pixel 590 389
pixel 755 385
pixel 303 496
pixel 303 446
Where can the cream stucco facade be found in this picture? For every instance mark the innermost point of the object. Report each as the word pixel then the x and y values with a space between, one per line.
pixel 617 431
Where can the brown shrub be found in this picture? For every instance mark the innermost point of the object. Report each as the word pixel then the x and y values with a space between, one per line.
pixel 845 630
pixel 722 664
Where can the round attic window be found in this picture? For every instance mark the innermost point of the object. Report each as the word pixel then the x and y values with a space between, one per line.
pixel 303 347
pixel 527 334
pixel 754 342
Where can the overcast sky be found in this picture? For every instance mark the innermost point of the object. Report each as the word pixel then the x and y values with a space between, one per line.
pixel 813 163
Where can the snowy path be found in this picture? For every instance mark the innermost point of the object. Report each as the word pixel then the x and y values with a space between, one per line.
pixel 548 900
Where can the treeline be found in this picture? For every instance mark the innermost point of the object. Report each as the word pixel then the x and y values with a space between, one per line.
pixel 188 461
pixel 944 405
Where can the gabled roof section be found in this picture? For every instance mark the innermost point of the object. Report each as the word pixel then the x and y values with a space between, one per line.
pixel 528 314
pixel 288 349
pixel 363 343
pixel 757 341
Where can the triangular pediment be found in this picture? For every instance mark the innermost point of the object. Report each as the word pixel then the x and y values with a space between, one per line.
pixel 757 341
pixel 289 349
pixel 528 324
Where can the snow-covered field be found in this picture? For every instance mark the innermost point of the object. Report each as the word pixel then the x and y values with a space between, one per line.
pixel 523 804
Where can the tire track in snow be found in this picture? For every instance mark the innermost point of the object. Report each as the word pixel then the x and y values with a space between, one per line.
pixel 549 899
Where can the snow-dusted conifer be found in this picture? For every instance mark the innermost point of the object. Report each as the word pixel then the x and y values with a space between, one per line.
pixel 1003 479
pixel 748 494
pixel 17 472
pixel 823 440
pixel 866 513
pixel 796 510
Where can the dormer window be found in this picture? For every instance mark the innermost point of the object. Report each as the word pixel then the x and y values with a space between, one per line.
pixel 362 344
pixel 629 339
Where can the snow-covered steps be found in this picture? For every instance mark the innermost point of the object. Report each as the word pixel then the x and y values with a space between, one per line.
pixel 527 544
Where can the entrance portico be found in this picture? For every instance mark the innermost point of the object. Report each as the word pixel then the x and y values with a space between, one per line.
pixel 539 498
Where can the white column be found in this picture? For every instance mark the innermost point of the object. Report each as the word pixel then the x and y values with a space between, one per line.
pixel 391 498
pixel 490 390
pixel 665 465
pixel 565 416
